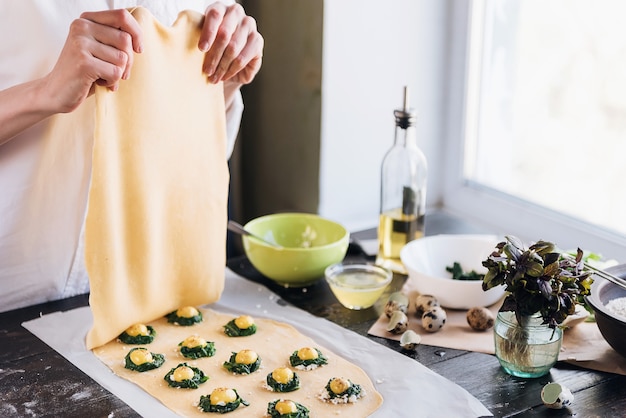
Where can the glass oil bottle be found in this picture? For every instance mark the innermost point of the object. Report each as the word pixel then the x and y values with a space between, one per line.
pixel 402 191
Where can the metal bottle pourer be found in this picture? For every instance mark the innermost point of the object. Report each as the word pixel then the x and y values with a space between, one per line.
pixel 405 117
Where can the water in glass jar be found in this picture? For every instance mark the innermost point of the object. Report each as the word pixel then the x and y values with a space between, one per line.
pixel 540 358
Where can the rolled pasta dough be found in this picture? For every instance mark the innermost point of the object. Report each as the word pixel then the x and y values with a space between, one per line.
pixel 274 342
pixel 155 228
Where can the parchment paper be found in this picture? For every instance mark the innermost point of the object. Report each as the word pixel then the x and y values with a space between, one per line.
pixel 406 385
pixel 583 345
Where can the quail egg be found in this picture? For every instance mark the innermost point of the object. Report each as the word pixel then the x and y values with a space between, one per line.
pixel 424 303
pixel 480 318
pixel 434 319
pixel 398 301
pixel 556 396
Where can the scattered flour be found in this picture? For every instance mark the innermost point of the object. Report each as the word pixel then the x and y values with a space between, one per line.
pixel 8 372
pixel 81 395
pixel 8 410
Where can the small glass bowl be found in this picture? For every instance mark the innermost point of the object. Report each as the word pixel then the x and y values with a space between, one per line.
pixel 357 285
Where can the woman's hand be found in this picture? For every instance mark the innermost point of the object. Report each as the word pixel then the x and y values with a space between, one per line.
pixel 233 46
pixel 98 50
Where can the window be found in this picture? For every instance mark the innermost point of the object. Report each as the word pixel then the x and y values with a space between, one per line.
pixel 539 102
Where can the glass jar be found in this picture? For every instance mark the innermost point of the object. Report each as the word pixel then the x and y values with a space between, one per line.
pixel 526 350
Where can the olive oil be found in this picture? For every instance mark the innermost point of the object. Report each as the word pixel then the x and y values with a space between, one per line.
pixel 395 230
pixel 402 191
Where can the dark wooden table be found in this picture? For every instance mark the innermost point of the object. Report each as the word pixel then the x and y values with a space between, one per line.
pixel 37 381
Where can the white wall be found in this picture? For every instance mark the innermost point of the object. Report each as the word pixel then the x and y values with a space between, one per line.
pixel 370 52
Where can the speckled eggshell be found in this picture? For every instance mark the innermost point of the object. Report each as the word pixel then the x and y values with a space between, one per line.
pixel 398 322
pixel 398 301
pixel 480 318
pixel 556 396
pixel 434 319
pixel 425 303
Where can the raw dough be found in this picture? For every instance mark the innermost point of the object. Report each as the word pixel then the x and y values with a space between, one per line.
pixel 274 342
pixel 155 231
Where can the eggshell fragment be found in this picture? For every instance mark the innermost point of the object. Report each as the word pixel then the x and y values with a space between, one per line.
pixel 410 339
pixel 556 396
pixel 398 323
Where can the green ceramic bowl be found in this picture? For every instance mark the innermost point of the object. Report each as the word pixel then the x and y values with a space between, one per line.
pixel 309 242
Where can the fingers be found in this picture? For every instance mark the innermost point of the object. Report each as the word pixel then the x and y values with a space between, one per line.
pixel 106 67
pixel 246 65
pixel 114 36
pixel 220 25
pixel 110 47
pixel 120 19
pixel 232 44
pixel 212 21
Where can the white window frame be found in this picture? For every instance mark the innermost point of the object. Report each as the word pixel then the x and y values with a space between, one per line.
pixel 501 213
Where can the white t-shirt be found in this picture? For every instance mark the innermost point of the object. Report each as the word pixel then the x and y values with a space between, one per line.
pixel 43 186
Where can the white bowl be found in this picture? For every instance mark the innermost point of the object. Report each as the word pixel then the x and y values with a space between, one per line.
pixel 426 260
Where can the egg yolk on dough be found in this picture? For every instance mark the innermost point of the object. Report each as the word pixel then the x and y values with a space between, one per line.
pixel 282 375
pixel 137 329
pixel 222 396
pixel 285 407
pixel 246 357
pixel 182 373
pixel 244 321
pixel 307 353
pixel 140 356
pixel 194 341
pixel 339 385
pixel 187 312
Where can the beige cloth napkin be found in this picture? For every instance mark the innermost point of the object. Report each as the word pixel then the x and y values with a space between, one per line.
pixel 583 345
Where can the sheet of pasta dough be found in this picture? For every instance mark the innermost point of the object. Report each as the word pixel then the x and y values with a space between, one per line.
pixel 274 342
pixel 155 231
